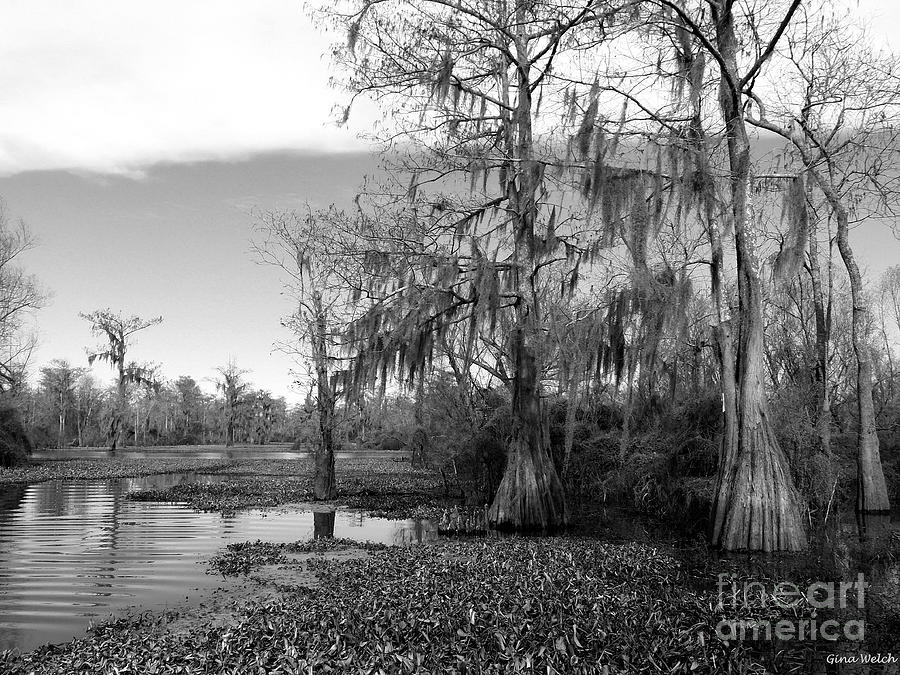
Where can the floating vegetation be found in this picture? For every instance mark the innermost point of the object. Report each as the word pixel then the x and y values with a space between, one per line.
pixel 383 488
pixel 554 605
pixel 232 495
pixel 242 557
pixel 108 468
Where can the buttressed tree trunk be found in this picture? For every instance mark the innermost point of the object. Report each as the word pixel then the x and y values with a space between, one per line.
pixel 758 507
pixel 530 495
pixel 324 483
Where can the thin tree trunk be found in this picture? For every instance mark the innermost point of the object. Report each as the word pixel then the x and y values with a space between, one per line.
pixel 871 490
pixel 324 482
pixel 823 337
pixel 419 440
pixel 571 410
pixel 229 421
pixel 62 421
pixel 117 423
pixel 724 340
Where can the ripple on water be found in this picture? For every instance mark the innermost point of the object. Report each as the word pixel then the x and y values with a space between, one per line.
pixel 76 551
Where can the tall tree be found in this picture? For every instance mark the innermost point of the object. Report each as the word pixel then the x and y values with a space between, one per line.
pixel 146 398
pixel 233 386
pixel 59 380
pixel 20 295
pixel 118 330
pixel 189 414
pixel 88 398
pixel 478 88
pixel 756 505
pixel 309 249
pixel 843 131
pixel 464 83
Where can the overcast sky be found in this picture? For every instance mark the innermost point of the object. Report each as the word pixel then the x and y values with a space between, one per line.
pixel 135 137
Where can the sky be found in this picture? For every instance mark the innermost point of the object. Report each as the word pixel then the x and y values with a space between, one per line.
pixel 136 138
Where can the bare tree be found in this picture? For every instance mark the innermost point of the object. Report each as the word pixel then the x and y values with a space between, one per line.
pixel 309 249
pixel 843 131
pixel 20 295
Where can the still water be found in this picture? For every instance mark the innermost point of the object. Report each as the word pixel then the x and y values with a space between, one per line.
pixel 272 451
pixel 72 552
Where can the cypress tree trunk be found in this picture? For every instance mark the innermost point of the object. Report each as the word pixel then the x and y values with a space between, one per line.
pixel 725 350
pixel 229 428
pixel 116 423
pixel 530 495
pixel 757 507
pixel 871 488
pixel 419 441
pixel 722 333
pixel 324 482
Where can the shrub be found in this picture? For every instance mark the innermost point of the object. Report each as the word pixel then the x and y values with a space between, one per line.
pixel 15 445
pixel 666 469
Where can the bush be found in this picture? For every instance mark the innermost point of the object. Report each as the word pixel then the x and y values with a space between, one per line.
pixel 480 459
pixel 667 468
pixel 15 445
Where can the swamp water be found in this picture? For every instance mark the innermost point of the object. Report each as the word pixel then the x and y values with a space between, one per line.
pixel 73 552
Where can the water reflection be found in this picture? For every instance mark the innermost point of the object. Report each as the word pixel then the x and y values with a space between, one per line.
pixel 323 524
pixel 205 452
pixel 11 496
pixel 72 551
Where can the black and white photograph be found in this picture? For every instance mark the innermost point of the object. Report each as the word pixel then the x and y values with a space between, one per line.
pixel 449 337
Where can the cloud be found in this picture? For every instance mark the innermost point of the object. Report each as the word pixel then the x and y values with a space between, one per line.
pixel 113 86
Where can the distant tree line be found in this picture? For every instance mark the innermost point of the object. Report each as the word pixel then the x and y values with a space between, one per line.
pixel 67 406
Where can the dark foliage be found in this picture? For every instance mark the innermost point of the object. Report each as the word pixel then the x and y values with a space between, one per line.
pixel 15 444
